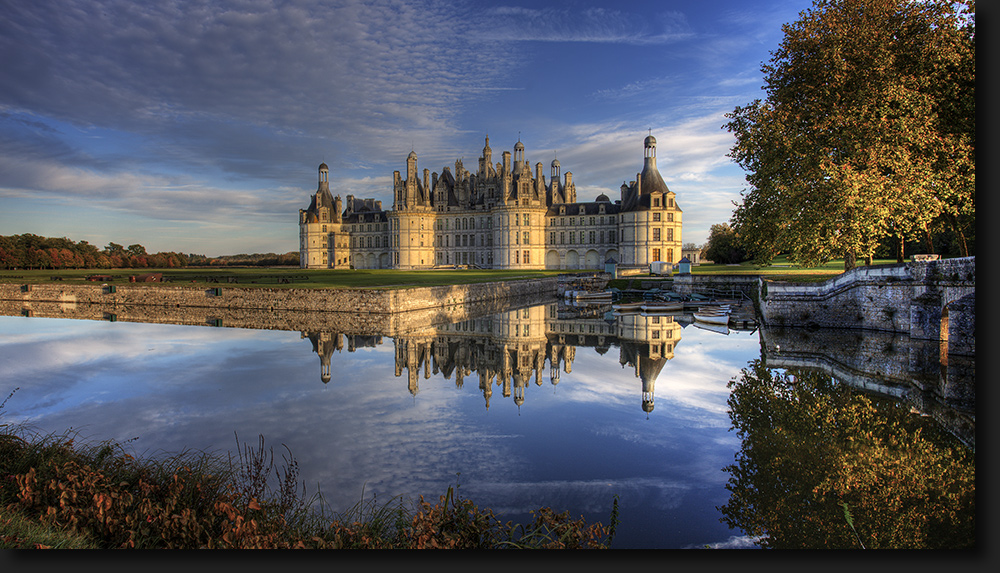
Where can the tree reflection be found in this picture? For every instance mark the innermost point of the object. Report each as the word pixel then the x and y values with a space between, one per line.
pixel 811 445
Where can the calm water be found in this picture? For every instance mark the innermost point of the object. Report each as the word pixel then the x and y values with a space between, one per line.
pixel 533 407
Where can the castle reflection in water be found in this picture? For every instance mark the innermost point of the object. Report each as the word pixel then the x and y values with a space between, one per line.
pixel 509 350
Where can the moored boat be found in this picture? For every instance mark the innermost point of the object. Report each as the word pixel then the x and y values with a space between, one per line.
pixel 651 306
pixel 720 328
pixel 712 316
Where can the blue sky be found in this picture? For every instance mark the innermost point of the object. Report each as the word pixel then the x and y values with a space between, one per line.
pixel 198 126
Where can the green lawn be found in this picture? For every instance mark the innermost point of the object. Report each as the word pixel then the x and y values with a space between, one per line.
pixel 284 277
pixel 276 277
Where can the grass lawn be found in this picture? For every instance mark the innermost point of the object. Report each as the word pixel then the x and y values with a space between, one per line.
pixel 276 277
pixel 290 277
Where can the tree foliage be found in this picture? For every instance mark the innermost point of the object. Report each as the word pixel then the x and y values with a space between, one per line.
pixel 867 131
pixel 812 449
pixel 33 251
pixel 723 246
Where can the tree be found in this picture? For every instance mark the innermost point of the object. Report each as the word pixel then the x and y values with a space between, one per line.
pixel 810 445
pixel 867 131
pixel 723 246
pixel 114 249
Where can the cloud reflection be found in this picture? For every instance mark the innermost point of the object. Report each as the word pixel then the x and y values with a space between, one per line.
pixel 572 446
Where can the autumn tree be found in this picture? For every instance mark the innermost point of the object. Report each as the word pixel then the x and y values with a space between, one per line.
pixel 812 448
pixel 867 130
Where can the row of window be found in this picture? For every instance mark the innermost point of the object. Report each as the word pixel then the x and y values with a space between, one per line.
pixel 656 233
pixel 594 236
pixel 571 221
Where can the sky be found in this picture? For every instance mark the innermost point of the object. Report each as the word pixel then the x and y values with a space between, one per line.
pixel 198 126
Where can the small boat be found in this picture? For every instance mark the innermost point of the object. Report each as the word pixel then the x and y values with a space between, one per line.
pixel 652 306
pixel 627 306
pixel 582 295
pixel 712 316
pixel 720 328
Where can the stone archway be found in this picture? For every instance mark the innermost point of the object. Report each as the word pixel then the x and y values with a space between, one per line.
pixel 572 260
pixel 371 261
pixel 552 260
pixel 592 260
pixel 384 261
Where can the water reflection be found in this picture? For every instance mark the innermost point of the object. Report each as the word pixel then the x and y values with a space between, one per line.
pixel 822 465
pixel 525 406
pixel 509 350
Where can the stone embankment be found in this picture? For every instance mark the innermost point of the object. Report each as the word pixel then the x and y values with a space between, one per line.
pixel 930 300
pixel 358 311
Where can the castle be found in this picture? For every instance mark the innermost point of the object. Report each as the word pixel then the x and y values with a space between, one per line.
pixel 504 216
pixel 509 350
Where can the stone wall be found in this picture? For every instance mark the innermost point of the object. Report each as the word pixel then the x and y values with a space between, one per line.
pixel 362 311
pixel 887 363
pixel 909 298
pixel 687 284
pixel 592 282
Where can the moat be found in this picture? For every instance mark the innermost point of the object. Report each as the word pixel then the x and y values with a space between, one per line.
pixel 541 404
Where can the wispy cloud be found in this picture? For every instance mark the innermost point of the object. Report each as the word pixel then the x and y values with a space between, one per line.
pixel 591 25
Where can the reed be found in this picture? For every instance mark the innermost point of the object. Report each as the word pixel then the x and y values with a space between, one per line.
pixel 58 491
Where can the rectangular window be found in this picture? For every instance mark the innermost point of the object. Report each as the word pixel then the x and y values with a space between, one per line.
pixel 671 202
pixel 670 234
pixel 656 254
pixel 602 236
pixel 517 257
pixel 656 217
pixel 670 217
pixel 527 257
pixel 572 221
pixel 526 241
pixel 656 234
pixel 572 237
pixel 656 201
pixel 562 237
pixel 552 238
pixel 611 236
pixel 656 334
pixel 593 236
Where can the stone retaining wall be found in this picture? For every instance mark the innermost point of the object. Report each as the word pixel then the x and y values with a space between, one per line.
pixel 688 284
pixel 362 311
pixel 910 298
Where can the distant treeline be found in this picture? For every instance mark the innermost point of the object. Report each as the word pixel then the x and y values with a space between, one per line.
pixel 29 251
pixel 244 260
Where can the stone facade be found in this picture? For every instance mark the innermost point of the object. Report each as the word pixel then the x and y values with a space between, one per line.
pixel 504 216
